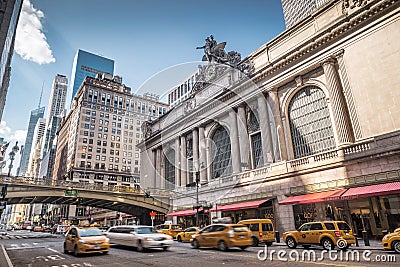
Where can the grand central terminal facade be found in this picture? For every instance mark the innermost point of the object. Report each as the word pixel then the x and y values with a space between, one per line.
pixel 305 128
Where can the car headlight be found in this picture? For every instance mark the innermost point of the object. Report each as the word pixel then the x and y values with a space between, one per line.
pixel 149 239
pixel 82 241
pixel 107 239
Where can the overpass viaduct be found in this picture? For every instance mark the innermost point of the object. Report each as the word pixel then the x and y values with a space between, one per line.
pixel 135 202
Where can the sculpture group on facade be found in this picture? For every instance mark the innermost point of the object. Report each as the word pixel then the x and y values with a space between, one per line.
pixel 218 62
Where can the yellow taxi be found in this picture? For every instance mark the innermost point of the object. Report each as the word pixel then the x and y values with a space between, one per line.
pixel 262 230
pixel 392 241
pixel 223 236
pixel 186 235
pixel 328 234
pixel 169 229
pixel 80 240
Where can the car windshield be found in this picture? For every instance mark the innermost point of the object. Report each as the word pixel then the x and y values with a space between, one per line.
pixel 175 227
pixel 145 230
pixel 89 232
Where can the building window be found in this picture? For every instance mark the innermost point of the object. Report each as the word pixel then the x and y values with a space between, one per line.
pixel 221 151
pixel 310 123
pixel 256 144
pixel 170 170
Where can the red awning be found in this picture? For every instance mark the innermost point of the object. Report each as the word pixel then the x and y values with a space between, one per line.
pixel 313 198
pixel 241 206
pixel 372 190
pixel 181 213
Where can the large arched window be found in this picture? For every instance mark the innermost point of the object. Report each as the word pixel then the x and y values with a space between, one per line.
pixel 310 123
pixel 170 170
pixel 221 151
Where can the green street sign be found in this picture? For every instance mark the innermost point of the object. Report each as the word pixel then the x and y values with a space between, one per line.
pixel 71 193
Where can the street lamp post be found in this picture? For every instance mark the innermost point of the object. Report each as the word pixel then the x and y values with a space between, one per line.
pixel 12 154
pixel 197 196
pixel 201 165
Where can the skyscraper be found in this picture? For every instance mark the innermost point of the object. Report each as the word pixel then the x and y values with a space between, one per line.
pixel 56 109
pixel 36 114
pixel 296 10
pixel 34 158
pixel 57 97
pixel 9 16
pixel 88 64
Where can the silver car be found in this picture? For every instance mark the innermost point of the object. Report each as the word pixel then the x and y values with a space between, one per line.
pixel 139 236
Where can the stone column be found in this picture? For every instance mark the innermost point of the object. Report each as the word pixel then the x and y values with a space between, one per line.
pixel 235 148
pixel 349 96
pixel 265 128
pixel 243 138
pixel 153 159
pixel 177 162
pixel 184 164
pixel 276 110
pixel 158 168
pixel 195 152
pixel 339 107
pixel 202 156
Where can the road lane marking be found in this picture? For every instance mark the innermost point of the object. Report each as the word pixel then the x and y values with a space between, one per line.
pixel 7 257
pixel 20 248
pixel 56 251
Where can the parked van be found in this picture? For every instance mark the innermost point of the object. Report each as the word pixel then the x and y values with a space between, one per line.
pixel 262 230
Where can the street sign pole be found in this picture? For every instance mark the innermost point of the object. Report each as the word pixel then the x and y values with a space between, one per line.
pixel 152 217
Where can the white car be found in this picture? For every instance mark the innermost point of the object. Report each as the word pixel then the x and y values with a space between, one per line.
pixel 139 236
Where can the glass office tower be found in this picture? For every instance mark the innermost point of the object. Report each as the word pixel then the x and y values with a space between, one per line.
pixel 36 114
pixel 88 64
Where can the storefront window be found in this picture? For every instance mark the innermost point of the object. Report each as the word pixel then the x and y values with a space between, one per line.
pixel 304 213
pixel 391 211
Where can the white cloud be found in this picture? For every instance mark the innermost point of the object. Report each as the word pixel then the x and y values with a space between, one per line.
pixel 30 41
pixel 10 135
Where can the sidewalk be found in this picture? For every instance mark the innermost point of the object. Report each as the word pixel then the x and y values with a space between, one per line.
pixel 374 245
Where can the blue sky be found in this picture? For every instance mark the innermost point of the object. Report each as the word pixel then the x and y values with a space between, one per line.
pixel 143 37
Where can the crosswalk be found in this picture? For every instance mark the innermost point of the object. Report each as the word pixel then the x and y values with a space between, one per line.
pixel 24 246
pixel 6 237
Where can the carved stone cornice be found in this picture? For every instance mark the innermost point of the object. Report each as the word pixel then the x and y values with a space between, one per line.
pixel 336 31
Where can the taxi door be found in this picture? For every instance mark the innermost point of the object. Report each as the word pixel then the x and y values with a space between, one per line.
pixel 206 236
pixel 303 236
pixel 316 230
pixel 70 239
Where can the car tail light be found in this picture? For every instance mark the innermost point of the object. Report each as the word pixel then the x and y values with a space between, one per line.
pixel 260 234
pixel 231 233
pixel 337 233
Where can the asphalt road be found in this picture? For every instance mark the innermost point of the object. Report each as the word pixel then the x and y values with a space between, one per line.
pixel 47 252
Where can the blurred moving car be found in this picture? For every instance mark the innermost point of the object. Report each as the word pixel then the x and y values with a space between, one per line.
pixel 262 230
pixel 186 235
pixel 37 229
pixel 223 236
pixel 3 231
pixel 86 240
pixel 139 236
pixel 392 241
pixel 169 229
pixel 327 234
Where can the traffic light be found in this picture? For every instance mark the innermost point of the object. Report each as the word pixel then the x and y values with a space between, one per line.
pixel 147 195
